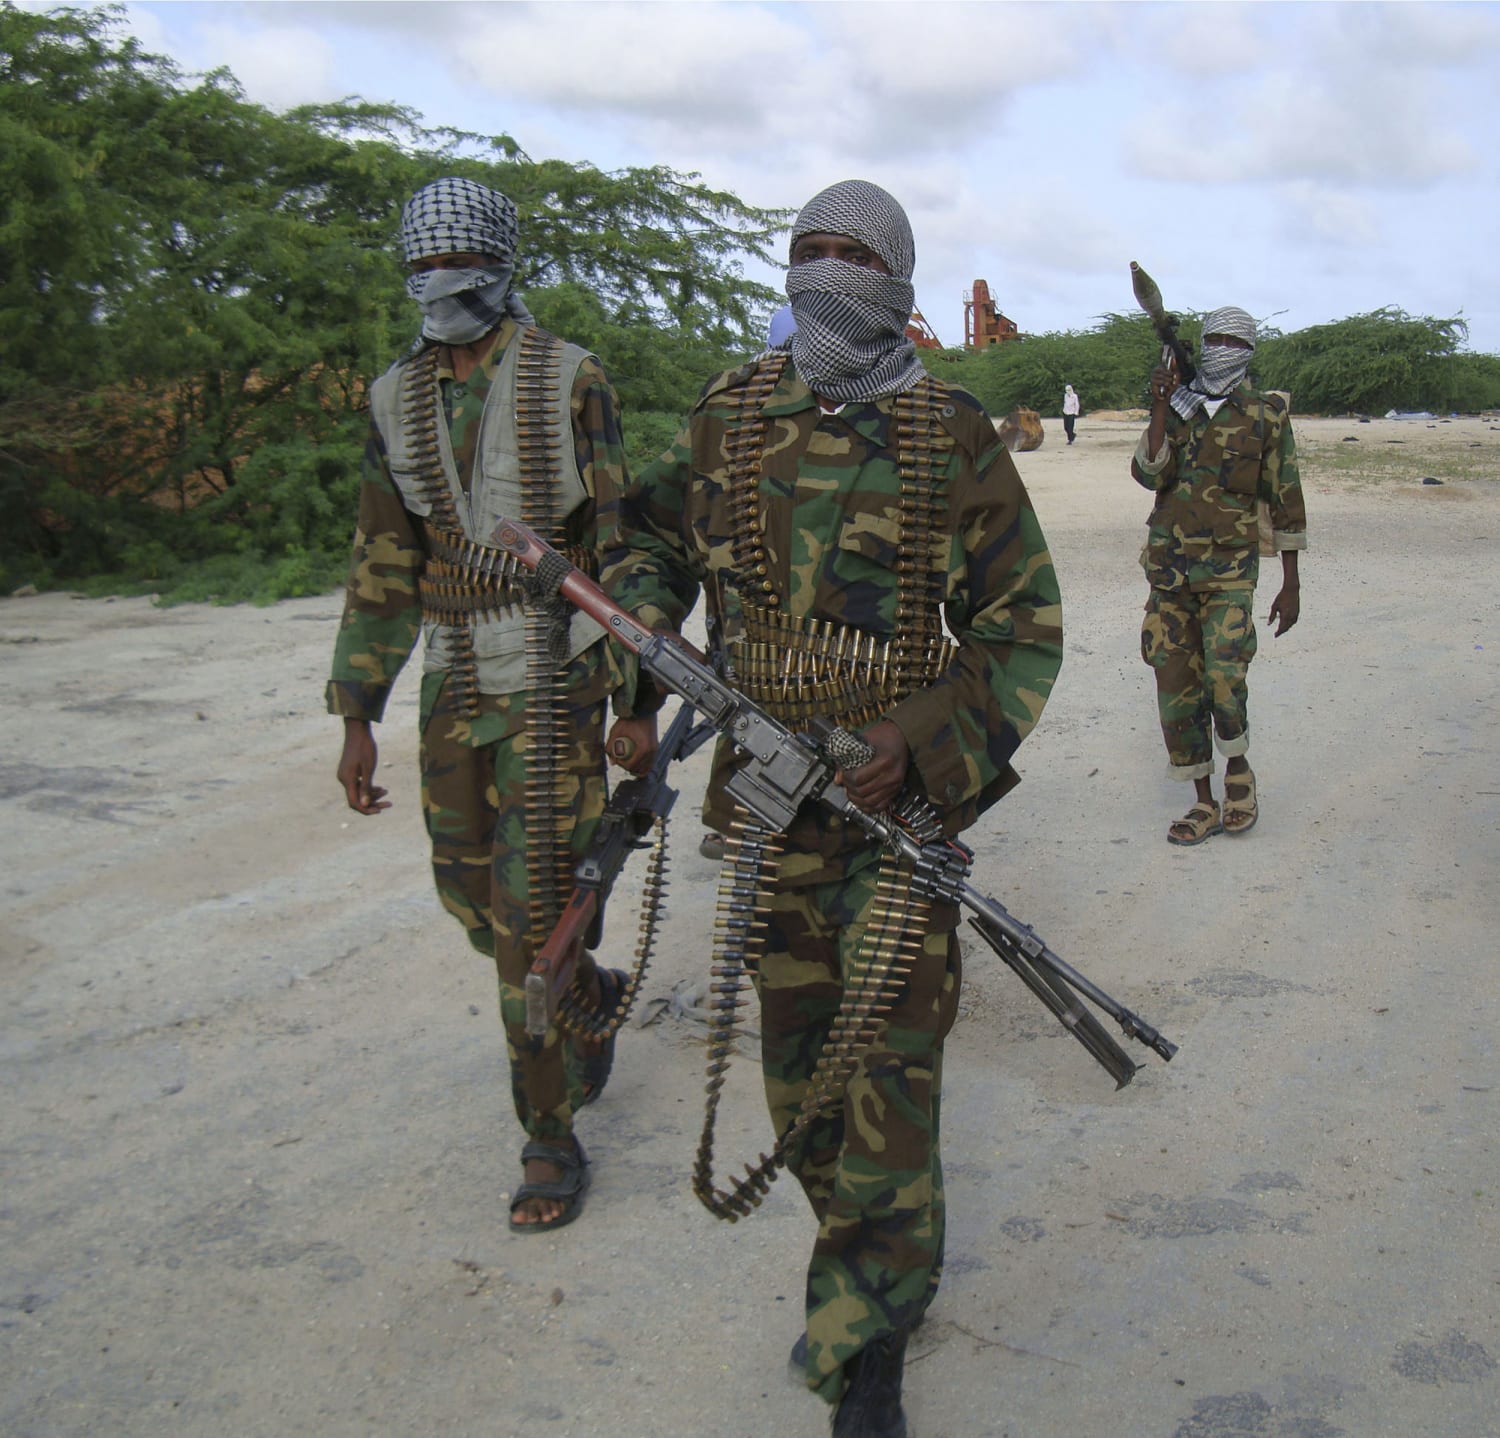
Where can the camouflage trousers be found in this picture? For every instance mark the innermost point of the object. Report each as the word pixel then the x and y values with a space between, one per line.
pixel 871 1167
pixel 474 801
pixel 1200 643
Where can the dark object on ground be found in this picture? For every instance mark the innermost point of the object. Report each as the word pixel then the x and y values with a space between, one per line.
pixel 1428 479
pixel 1021 430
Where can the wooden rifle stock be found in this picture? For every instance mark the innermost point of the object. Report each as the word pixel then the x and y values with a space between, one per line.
pixel 633 810
pixel 554 967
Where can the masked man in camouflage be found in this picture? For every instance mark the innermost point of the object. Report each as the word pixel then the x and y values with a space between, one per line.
pixel 488 416
pixel 837 505
pixel 1215 452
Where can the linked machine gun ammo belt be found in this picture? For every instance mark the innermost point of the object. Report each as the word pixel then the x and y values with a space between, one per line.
pixel 468 582
pixel 780 772
pixel 463 580
pixel 803 669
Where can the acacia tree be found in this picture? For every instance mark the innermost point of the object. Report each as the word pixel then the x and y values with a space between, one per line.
pixel 194 291
pixel 1371 363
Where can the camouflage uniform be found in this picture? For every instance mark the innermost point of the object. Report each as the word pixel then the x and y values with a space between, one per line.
pixel 474 757
pixel 1202 558
pixel 829 500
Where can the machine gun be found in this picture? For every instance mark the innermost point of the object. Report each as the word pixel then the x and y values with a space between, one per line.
pixel 1148 296
pixel 634 809
pixel 784 770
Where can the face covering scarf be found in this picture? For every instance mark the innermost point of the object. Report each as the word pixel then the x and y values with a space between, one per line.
pixel 1220 367
pixel 453 216
pixel 850 342
pixel 460 306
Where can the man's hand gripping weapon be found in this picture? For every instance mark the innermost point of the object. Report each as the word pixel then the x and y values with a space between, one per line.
pixel 783 770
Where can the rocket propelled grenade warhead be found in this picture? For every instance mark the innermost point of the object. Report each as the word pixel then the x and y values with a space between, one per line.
pixel 1147 294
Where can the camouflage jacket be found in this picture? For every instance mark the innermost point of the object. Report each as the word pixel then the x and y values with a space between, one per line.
pixel 1209 478
pixel 382 611
pixel 829 488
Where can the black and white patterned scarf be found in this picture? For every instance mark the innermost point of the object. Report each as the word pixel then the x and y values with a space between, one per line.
pixel 1220 367
pixel 453 216
pixel 850 342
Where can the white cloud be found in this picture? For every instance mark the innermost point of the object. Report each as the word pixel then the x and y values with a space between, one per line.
pixel 1368 128
pixel 278 65
pixel 1328 216
pixel 1413 35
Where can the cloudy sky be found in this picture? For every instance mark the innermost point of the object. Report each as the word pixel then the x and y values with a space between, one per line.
pixel 1304 161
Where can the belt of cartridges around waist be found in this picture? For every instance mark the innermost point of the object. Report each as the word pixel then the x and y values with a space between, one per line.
pixel 464 580
pixel 800 669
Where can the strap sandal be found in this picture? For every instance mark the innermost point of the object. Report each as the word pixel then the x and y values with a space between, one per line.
pixel 568 1190
pixel 594 1069
pixel 1240 807
pixel 1199 823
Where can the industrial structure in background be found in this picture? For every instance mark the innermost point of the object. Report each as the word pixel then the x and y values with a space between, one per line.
pixel 984 325
pixel 919 332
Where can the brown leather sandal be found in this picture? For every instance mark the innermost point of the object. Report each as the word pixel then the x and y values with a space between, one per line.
pixel 1240 807
pixel 1199 823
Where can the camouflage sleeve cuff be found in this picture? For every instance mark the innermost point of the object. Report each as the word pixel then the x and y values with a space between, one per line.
pixel 947 777
pixel 350 699
pixel 1288 539
pixel 1144 460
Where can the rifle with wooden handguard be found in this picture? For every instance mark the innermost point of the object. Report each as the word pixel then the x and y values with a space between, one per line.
pixel 632 812
pixel 1148 297
pixel 783 770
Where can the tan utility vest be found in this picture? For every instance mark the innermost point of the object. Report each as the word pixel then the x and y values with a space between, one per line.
pixel 497 490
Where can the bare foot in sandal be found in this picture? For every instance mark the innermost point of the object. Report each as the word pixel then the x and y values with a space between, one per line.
pixel 1199 823
pixel 1241 809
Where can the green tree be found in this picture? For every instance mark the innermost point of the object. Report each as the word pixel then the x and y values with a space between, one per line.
pixel 1369 364
pixel 194 291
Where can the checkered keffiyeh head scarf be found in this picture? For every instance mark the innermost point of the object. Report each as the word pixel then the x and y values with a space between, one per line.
pixel 850 342
pixel 454 216
pixel 1220 367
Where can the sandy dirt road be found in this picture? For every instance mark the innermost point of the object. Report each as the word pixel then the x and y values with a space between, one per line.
pixel 257 1143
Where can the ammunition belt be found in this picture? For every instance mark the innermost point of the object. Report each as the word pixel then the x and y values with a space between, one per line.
pixel 465 580
pixel 889 948
pixel 549 864
pixel 798 669
pixel 824 655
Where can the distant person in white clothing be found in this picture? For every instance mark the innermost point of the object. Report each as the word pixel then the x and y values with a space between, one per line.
pixel 1070 410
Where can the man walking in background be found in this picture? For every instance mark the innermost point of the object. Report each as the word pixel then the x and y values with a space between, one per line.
pixel 1214 449
pixel 1070 408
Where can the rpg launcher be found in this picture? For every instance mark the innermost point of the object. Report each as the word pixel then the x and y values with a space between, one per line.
pixel 1148 296
pixel 782 771
pixel 628 819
